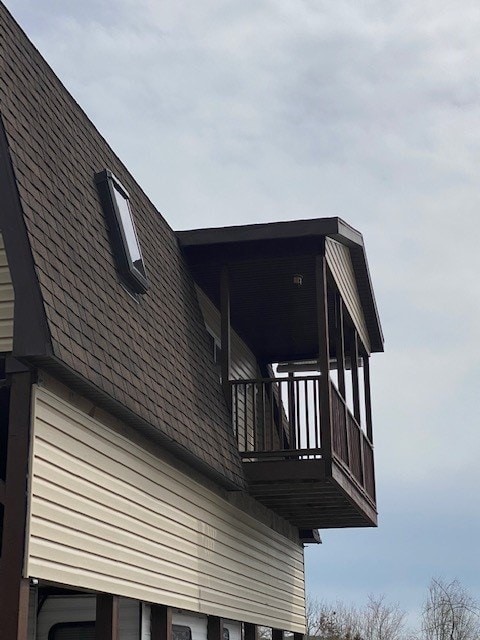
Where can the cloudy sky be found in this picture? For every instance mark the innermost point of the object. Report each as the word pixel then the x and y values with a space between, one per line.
pixel 242 111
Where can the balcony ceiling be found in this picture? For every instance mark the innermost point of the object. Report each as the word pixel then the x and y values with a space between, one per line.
pixel 275 317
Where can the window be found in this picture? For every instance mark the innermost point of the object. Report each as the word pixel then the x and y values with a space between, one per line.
pixel 72 631
pixel 116 204
pixel 181 632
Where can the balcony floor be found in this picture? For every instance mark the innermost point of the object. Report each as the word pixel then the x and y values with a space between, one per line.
pixel 301 492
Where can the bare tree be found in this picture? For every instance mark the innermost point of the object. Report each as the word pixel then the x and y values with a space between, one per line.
pixel 378 620
pixel 450 612
pixel 381 620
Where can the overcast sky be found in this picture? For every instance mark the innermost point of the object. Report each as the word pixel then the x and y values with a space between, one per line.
pixel 246 111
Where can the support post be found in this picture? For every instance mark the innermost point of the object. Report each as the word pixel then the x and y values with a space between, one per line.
pixel 250 631
pixel 368 397
pixel 225 334
pixel 107 624
pixel 340 346
pixel 14 588
pixel 324 362
pixel 298 636
pixel 161 622
pixel 277 634
pixel 355 383
pixel 214 628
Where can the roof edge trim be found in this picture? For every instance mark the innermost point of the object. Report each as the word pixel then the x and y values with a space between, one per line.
pixel 31 336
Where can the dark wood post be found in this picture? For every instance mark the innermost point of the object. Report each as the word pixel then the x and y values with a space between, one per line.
pixel 161 623
pixel 214 628
pixel 107 624
pixel 225 334
pixel 277 634
pixel 14 588
pixel 250 631
pixel 298 636
pixel 354 366
pixel 368 397
pixel 324 362
pixel 340 346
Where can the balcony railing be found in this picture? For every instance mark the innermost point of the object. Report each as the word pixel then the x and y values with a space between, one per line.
pixel 281 418
pixel 351 445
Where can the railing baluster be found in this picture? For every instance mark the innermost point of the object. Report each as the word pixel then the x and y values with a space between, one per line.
pixel 245 417
pixel 297 417
pixel 307 429
pixel 264 417
pixel 315 413
pixel 254 417
pixel 280 416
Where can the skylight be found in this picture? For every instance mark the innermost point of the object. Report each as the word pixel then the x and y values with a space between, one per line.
pixel 116 204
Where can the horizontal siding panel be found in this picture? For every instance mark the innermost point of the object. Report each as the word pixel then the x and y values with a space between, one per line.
pixel 109 516
pixel 340 264
pixel 6 302
pixel 180 501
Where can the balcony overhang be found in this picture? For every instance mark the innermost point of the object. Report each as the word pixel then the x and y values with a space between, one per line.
pixel 275 315
pixel 302 492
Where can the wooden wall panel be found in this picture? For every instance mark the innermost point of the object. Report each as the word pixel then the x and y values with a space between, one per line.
pixel 340 264
pixel 109 516
pixel 243 366
pixel 6 303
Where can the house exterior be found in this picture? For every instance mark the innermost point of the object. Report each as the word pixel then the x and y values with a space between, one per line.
pixel 179 412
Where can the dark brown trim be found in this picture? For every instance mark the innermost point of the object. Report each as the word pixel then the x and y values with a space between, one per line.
pixel 355 381
pixel 340 344
pixel 225 334
pixel 368 396
pixel 324 361
pixel 250 631
pixel 107 619
pixel 2 492
pixel 335 227
pixel 161 622
pixel 31 335
pixel 214 628
pixel 277 634
pixel 298 636
pixel 14 588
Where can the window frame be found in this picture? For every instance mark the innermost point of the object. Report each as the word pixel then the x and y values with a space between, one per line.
pixel 84 624
pixel 108 187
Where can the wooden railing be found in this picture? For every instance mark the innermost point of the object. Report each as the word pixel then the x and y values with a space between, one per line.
pixel 277 417
pixel 351 445
pixel 280 418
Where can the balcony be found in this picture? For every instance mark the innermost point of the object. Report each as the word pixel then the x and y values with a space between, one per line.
pixel 297 294
pixel 314 471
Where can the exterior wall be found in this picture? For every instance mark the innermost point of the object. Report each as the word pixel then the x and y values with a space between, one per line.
pixel 6 302
pixel 243 365
pixel 340 263
pixel 107 515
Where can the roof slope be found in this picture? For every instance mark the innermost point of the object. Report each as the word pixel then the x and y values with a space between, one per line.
pixel 150 356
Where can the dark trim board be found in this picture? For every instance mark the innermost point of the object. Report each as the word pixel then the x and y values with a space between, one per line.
pixel 31 335
pixel 14 588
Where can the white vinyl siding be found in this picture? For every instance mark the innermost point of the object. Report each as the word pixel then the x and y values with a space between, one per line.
pixel 109 516
pixel 6 303
pixel 340 264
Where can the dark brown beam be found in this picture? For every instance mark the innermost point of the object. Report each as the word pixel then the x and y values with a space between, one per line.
pixel 250 631
pixel 355 383
pixel 14 588
pixel 368 397
pixel 214 628
pixel 161 623
pixel 340 346
pixel 2 494
pixel 298 636
pixel 324 360
pixel 277 634
pixel 225 334
pixel 107 622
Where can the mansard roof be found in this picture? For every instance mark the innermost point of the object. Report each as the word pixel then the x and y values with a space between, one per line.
pixel 145 357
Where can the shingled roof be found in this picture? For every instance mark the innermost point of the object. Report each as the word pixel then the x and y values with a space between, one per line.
pixel 145 358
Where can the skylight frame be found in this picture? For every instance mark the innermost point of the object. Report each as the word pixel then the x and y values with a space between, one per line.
pixel 123 233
